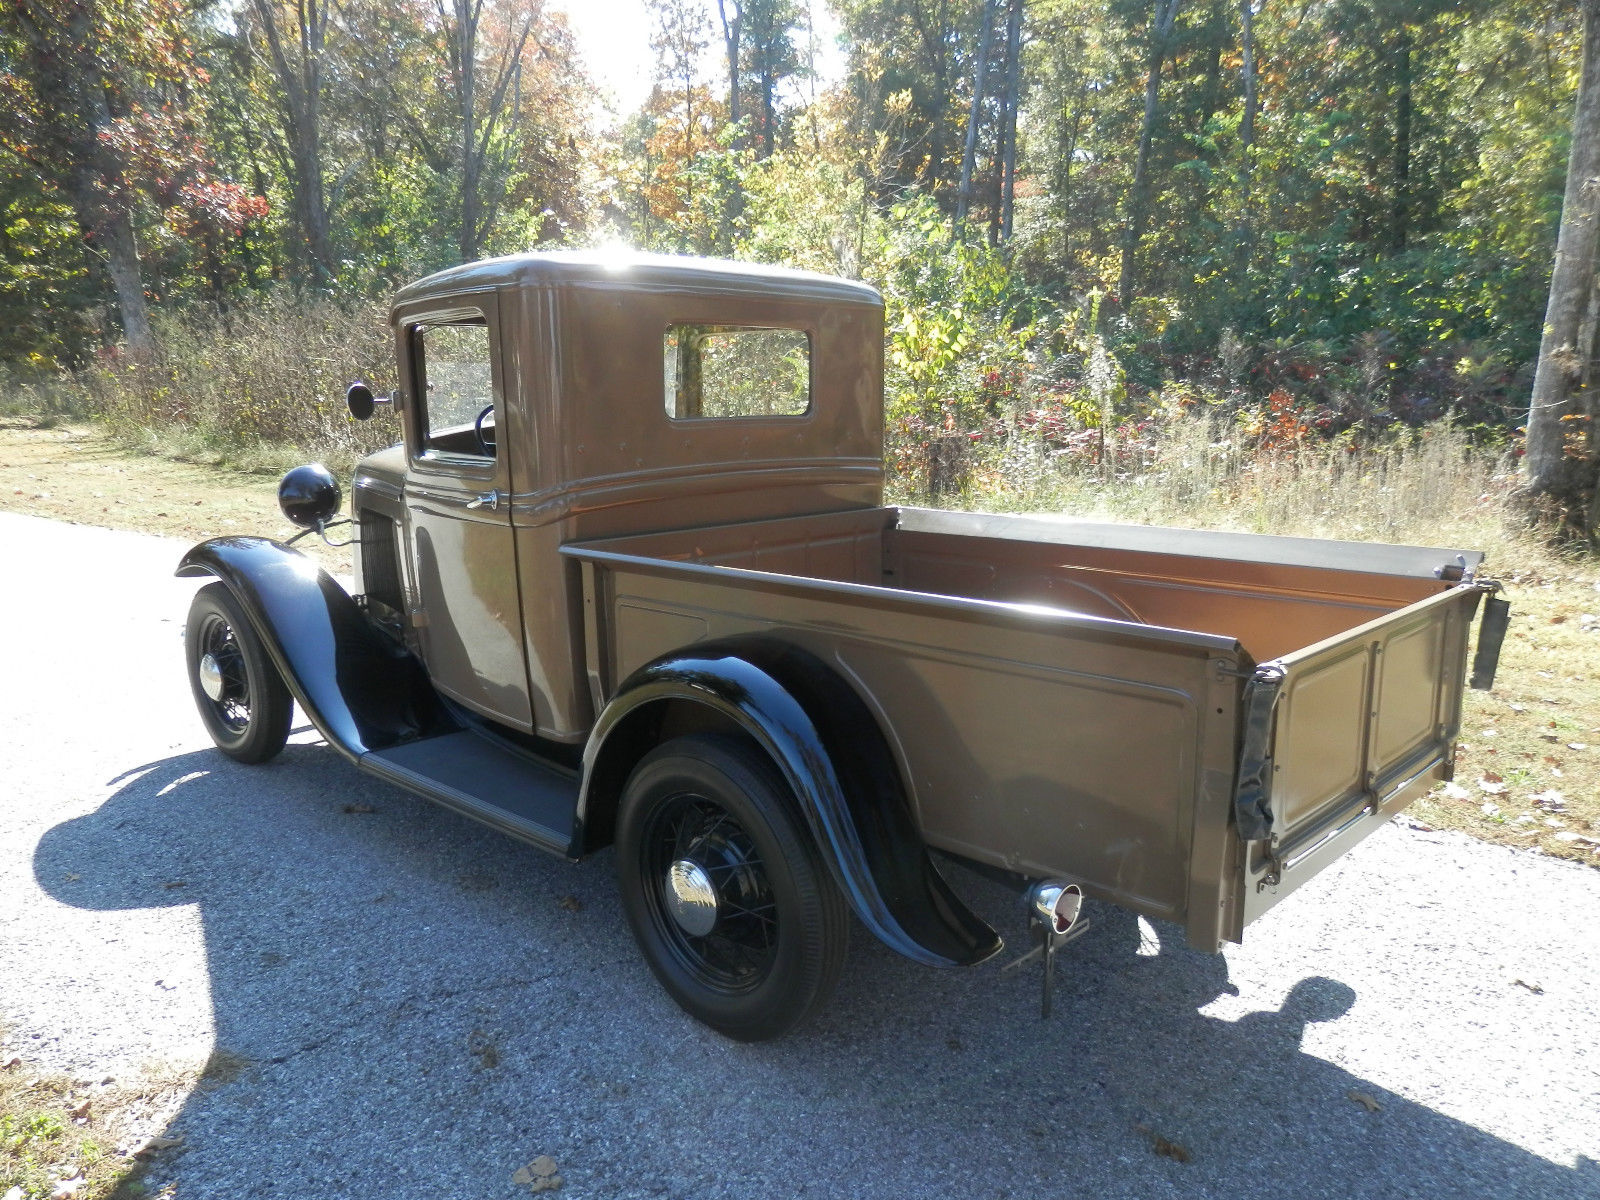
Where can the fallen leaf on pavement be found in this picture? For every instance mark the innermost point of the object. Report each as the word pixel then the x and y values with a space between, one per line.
pixel 1367 1102
pixel 1165 1147
pixel 539 1175
pixel 570 903
pixel 157 1144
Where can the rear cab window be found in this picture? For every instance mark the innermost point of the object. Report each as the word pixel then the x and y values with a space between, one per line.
pixel 712 372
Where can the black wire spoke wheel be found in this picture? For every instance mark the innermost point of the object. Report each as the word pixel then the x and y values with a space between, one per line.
pixel 241 697
pixel 702 856
pixel 226 668
pixel 724 889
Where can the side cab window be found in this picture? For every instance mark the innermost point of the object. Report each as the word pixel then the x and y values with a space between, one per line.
pixel 452 366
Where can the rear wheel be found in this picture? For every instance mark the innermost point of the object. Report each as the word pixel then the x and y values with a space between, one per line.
pixel 241 697
pixel 724 889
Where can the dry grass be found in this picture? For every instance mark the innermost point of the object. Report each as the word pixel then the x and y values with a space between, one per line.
pixel 248 388
pixel 88 1138
pixel 1430 486
pixel 1528 773
pixel 1529 770
pixel 81 474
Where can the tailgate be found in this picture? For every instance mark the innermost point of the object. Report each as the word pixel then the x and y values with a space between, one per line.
pixel 1352 730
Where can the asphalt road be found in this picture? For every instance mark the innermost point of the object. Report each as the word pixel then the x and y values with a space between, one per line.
pixel 416 1006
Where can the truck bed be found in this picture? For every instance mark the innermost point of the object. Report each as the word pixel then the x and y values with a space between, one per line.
pixel 1068 699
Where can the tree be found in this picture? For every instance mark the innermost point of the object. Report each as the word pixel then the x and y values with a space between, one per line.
pixel 80 77
pixel 911 65
pixel 291 41
pixel 1161 24
pixel 690 187
pixel 771 58
pixel 483 74
pixel 1558 466
pixel 969 157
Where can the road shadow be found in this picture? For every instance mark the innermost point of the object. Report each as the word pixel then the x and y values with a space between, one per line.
pixel 415 1007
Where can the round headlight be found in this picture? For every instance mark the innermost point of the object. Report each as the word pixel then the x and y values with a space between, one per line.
pixel 309 495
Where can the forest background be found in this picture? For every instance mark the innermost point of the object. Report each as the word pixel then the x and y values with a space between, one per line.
pixel 1194 248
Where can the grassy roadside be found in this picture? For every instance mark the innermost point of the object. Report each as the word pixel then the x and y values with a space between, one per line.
pixel 79 473
pixel 63 1138
pixel 1529 769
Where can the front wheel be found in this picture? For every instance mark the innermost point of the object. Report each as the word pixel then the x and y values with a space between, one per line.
pixel 241 697
pixel 725 891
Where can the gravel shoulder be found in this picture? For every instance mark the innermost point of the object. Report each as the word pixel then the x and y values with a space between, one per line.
pixel 408 1005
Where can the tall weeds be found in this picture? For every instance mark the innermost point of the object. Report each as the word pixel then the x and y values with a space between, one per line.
pixel 1427 486
pixel 244 385
pixel 263 384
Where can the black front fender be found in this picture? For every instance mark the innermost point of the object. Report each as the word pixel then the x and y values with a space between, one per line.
pixel 358 687
pixel 842 773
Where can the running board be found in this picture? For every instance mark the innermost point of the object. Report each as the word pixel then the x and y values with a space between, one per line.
pixel 513 792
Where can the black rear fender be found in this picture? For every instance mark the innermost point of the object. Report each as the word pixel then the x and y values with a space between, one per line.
pixel 836 761
pixel 359 688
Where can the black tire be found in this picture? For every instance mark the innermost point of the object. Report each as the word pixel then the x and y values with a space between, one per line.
pixel 777 946
pixel 249 718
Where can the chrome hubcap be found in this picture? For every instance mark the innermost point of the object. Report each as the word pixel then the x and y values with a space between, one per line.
pixel 691 899
pixel 210 676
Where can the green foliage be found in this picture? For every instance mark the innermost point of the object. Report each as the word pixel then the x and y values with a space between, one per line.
pixel 951 311
pixel 1366 245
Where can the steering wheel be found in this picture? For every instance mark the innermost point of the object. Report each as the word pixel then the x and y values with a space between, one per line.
pixel 486 445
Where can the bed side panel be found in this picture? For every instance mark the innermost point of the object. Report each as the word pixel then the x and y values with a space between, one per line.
pixel 1032 741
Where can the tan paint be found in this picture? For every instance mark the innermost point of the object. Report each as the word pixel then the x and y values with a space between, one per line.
pixel 1064 699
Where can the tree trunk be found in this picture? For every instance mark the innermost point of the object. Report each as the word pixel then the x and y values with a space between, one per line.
pixel 72 84
pixel 769 114
pixel 970 154
pixel 732 34
pixel 1572 279
pixel 115 236
pixel 1244 235
pixel 298 73
pixel 466 32
pixel 1166 14
pixel 1247 68
pixel 1008 168
pixel 1400 213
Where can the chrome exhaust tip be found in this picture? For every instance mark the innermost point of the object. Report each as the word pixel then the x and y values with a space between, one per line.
pixel 1057 905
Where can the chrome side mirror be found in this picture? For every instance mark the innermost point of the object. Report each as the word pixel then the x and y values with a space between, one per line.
pixel 362 401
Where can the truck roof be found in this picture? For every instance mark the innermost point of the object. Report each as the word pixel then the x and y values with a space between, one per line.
pixel 629 270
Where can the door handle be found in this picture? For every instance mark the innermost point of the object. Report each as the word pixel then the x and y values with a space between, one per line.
pixel 489 500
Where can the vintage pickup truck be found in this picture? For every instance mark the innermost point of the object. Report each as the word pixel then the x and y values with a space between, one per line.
pixel 629 580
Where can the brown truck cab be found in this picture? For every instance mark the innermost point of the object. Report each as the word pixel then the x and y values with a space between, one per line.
pixel 629 580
